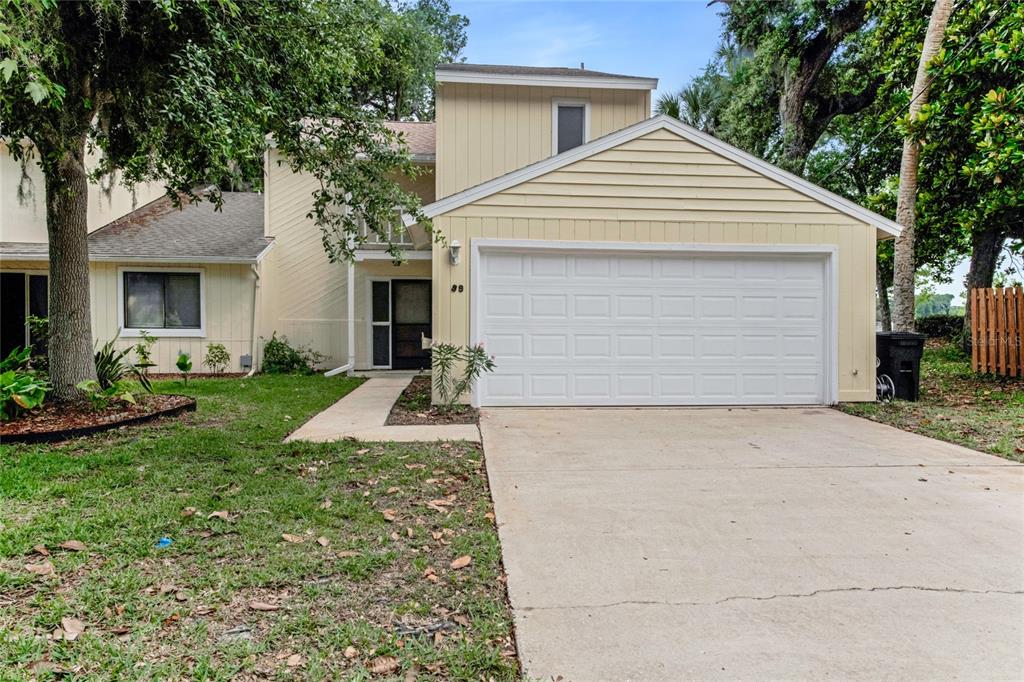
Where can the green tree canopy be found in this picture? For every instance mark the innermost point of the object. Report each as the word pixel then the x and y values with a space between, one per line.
pixel 185 92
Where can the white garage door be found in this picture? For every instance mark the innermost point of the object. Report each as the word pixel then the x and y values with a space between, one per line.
pixel 641 328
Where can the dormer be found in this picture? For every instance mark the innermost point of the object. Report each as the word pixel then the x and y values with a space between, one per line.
pixel 492 120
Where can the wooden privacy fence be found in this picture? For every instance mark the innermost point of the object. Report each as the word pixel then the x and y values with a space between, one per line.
pixel 997 322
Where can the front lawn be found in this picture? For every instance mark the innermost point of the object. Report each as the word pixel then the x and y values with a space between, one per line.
pixel 285 560
pixel 981 412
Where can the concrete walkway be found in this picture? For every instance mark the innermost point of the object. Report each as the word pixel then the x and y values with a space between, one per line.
pixel 361 414
pixel 659 544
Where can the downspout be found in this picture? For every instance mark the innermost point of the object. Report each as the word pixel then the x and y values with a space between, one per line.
pixel 255 311
pixel 350 290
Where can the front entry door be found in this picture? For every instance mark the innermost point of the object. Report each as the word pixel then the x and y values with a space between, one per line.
pixel 410 321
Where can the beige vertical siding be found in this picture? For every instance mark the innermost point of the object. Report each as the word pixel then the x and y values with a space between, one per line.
pixel 484 131
pixel 304 295
pixel 25 221
pixel 228 312
pixel 663 189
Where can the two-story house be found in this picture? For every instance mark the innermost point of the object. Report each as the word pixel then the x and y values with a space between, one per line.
pixel 603 256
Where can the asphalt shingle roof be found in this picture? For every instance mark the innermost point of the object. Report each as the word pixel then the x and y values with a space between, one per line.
pixel 418 136
pixel 161 231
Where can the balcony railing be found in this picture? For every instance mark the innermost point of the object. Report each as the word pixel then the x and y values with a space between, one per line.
pixel 396 233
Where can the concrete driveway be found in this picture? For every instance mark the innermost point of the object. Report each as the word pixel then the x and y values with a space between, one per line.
pixel 754 543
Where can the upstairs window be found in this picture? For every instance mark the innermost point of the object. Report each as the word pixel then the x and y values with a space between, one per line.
pixel 162 301
pixel 570 125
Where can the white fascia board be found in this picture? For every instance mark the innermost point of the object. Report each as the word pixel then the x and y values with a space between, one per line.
pixel 600 82
pixel 468 196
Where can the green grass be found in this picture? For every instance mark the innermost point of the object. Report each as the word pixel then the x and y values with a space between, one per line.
pixel 162 613
pixel 957 405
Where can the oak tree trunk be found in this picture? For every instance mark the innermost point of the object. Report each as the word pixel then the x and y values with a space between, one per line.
pixel 903 257
pixel 70 347
pixel 985 246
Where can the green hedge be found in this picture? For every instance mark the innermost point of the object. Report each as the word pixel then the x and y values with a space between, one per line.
pixel 941 326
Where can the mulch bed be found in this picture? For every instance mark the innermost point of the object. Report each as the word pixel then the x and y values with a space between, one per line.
pixel 161 376
pixel 413 407
pixel 54 421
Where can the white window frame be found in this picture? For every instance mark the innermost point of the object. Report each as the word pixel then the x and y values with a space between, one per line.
pixel 568 102
pixel 25 273
pixel 372 324
pixel 161 332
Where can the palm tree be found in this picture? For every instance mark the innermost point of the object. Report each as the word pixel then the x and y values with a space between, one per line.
pixel 903 257
pixel 697 104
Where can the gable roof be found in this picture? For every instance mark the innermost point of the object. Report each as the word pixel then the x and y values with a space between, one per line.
pixel 161 233
pixel 539 75
pixel 662 122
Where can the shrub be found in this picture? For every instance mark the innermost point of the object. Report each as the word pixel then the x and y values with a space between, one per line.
pixel 144 350
pixel 111 367
pixel 445 357
pixel 217 357
pixel 101 398
pixel 941 326
pixel 281 358
pixel 21 387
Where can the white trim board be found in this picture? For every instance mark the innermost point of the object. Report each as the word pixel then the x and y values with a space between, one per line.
pixel 441 75
pixel 557 102
pixel 662 122
pixel 830 252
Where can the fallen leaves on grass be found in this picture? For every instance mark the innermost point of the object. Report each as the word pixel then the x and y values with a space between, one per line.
pixel 323 541
pixel 351 652
pixel 41 568
pixel 295 539
pixel 461 562
pixel 71 628
pixel 382 665
pixel 389 514
pixel 326 504
pixel 73 545
pixel 263 606
pixel 220 514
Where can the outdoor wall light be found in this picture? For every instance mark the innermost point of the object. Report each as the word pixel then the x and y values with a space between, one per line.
pixel 453 252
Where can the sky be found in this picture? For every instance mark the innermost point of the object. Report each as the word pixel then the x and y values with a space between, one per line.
pixel 670 41
pixel 667 40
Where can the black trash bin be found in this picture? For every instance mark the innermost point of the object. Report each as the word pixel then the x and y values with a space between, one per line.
pixel 899 355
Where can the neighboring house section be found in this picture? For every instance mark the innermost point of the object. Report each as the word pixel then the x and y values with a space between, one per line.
pixel 23 219
pixel 187 276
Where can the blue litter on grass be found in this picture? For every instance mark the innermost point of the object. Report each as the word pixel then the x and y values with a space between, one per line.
pixel 164 542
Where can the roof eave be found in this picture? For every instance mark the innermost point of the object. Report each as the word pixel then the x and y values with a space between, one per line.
pixel 541 80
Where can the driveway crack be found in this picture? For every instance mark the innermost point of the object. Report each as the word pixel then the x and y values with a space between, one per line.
pixel 796 595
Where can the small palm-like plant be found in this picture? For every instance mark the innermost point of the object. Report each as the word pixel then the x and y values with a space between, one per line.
pixel 112 367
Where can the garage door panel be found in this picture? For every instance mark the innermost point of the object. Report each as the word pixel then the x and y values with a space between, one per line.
pixel 646 329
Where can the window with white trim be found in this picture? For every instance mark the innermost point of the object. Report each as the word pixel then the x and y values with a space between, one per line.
pixel 569 125
pixel 162 300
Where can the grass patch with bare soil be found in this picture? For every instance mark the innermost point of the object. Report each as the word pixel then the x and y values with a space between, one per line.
pixel 320 561
pixel 957 405
pixel 414 407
